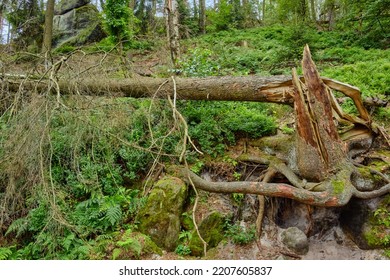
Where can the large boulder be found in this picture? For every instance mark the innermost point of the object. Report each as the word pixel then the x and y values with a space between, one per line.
pixel 160 217
pixel 65 6
pixel 78 26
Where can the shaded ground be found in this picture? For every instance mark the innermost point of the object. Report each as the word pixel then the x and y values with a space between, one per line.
pixel 333 246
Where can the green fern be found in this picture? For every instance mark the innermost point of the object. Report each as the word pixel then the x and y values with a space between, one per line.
pixel 116 253
pixel 19 226
pixel 5 253
pixel 114 214
pixel 131 245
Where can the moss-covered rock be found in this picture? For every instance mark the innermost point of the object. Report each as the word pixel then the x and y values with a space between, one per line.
pixel 134 245
pixel 160 217
pixel 367 222
pixel 212 231
pixel 64 6
pixel 78 26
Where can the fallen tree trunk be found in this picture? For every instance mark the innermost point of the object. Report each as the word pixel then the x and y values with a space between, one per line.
pixel 277 89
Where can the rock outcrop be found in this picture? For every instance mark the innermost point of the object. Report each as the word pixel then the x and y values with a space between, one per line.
pixel 65 6
pixel 76 23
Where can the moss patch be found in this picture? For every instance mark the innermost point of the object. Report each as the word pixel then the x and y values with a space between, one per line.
pixel 377 233
pixel 160 217
pixel 211 229
pixel 133 245
pixel 338 186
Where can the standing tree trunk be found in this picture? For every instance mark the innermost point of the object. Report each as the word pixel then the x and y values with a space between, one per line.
pixel 319 147
pixel 313 10
pixel 195 10
pixel 263 14
pixel 173 35
pixel 331 6
pixel 202 16
pixel 1 26
pixel 152 16
pixel 48 29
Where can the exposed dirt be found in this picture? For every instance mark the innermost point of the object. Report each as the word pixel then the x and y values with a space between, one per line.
pixel 333 246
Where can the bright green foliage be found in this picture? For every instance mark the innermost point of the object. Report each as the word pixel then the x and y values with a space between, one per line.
pixel 238 234
pixel 95 158
pixel 199 63
pixel 117 19
pixel 132 245
pixel 292 11
pixel 183 249
pixel 379 233
pixel 213 125
pixel 5 253
pixel 370 21
pixel 223 18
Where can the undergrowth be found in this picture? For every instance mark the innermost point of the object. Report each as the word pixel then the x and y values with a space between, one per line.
pixel 72 177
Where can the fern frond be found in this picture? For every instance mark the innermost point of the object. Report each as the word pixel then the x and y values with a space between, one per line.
pixel 5 253
pixel 114 214
pixel 18 226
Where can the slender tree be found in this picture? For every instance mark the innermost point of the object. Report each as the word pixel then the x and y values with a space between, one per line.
pixel 313 10
pixel 48 28
pixel 202 16
pixel 172 20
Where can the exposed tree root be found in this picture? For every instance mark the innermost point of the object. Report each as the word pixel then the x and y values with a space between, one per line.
pixel 337 190
pixel 330 197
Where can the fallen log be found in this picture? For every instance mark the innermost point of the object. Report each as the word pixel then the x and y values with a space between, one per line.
pixel 276 89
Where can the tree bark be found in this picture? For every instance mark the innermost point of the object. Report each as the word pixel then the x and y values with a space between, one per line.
pixel 202 16
pixel 172 19
pixel 48 30
pixel 276 89
pixel 319 146
pixel 313 10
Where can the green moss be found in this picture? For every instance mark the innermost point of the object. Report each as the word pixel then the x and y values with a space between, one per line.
pixel 160 217
pixel 377 233
pixel 338 186
pixel 132 245
pixel 211 230
pixel 186 221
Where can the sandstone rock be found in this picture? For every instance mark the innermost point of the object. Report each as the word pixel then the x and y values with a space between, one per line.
pixel 211 230
pixel 160 217
pixel 77 27
pixel 65 6
pixel 364 227
pixel 134 245
pixel 295 240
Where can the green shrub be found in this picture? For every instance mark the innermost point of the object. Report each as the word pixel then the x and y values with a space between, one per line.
pixel 240 235
pixel 213 125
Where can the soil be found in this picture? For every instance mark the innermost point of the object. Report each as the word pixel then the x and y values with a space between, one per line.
pixel 333 246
